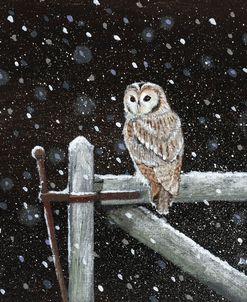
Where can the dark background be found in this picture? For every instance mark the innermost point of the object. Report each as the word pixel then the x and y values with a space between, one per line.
pixel 208 92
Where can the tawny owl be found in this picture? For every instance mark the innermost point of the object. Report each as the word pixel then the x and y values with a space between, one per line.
pixel 154 138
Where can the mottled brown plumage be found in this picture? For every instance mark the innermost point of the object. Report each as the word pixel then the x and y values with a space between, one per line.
pixel 154 138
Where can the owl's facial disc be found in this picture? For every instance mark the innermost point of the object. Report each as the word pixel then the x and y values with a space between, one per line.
pixel 148 102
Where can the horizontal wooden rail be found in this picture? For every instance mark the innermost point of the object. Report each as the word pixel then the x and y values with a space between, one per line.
pixel 195 187
pixel 126 189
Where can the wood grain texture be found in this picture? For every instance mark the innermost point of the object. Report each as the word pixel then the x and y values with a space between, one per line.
pixel 195 187
pixel 81 223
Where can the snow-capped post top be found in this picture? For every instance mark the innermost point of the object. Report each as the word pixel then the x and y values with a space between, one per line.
pixel 38 152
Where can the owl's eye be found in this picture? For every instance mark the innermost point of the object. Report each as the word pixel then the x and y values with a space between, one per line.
pixel 132 99
pixel 147 98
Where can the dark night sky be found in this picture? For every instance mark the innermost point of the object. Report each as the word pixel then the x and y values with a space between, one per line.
pixel 64 66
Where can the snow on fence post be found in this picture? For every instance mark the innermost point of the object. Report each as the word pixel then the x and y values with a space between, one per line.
pixel 81 223
pixel 182 251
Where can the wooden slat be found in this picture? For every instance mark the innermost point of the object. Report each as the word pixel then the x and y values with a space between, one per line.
pixel 81 223
pixel 182 251
pixel 195 187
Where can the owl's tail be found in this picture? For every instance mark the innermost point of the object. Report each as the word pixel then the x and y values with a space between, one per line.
pixel 163 201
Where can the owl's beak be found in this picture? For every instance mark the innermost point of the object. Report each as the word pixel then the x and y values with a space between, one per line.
pixel 138 106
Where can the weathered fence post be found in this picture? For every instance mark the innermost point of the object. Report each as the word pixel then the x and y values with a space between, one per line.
pixel 81 223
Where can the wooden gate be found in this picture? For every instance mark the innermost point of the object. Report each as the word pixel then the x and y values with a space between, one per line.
pixel 85 188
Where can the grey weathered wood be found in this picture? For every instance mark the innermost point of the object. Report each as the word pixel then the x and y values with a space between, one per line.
pixel 182 251
pixel 81 223
pixel 195 187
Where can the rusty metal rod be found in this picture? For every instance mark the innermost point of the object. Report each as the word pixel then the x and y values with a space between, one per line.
pixel 39 154
pixel 94 197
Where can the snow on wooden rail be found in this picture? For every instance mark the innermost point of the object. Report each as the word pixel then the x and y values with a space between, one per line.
pixel 195 187
pixel 157 234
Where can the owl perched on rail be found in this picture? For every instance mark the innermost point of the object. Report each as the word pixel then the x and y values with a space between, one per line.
pixel 154 138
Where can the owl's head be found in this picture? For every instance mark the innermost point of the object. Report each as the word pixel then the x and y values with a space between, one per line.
pixel 145 98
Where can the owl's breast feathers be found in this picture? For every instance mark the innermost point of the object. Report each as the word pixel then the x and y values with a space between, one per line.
pixel 156 144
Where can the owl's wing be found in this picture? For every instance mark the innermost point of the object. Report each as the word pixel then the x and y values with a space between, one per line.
pixel 162 136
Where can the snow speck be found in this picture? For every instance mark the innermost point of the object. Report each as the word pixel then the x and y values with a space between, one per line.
pixel 232 72
pixel 82 55
pixel 70 18
pixel 76 245
pixel 125 241
pixel 88 34
pixel 212 21
pixel 24 28
pixel 118 160
pixel 217 116
pixel 116 37
pixel 125 20
pixel 218 191
pixel 45 264
pixel 100 288
pixel 155 288
pixel 61 172
pixel 65 30
pixel 128 215
pixel 47 284
pixel 25 286
pixel 189 297
pixel 21 259
pixel 173 279
pixel 6 184
pixel 2 291
pixel 148 34
pixel 139 4
pixel 29 115
pixel 240 241
pixel 10 19
pixel 113 72
pixel 181 277
pixel 167 22
pixel 229 51
pixel 120 276
pixel 118 124
pixel 134 65
pixel 242 261
pixel 132 251
pixel 168 45
pixel 152 240
pixel 207 62
pixel 96 2
pixel 245 69
pixel 4 77
pixel 129 286
pixel 193 154
pixel 40 93
pixel 96 128
pixel 182 41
